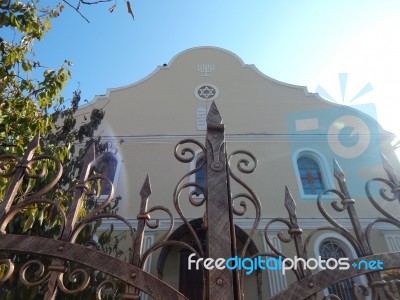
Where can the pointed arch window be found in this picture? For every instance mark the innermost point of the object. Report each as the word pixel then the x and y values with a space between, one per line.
pixel 310 174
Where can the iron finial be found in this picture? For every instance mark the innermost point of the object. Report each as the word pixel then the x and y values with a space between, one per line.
pixel 145 192
pixel 389 170
pixel 88 159
pixel 289 201
pixel 214 119
pixel 340 177
pixel 337 170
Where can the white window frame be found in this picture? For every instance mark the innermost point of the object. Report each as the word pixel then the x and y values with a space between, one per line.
pixel 323 167
pixel 347 247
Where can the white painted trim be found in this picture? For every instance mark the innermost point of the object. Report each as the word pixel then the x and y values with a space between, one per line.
pixel 230 138
pixel 247 224
pixel 277 281
pixel 350 252
pixel 393 241
pixel 347 247
pixel 192 166
pixel 250 66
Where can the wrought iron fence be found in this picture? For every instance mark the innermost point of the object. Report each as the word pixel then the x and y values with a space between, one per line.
pixel 60 265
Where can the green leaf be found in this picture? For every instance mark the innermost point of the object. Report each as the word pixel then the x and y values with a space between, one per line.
pixel 14 22
pixel 40 217
pixel 28 223
pixel 26 66
pixel 47 24
pixel 30 186
pixel 3 269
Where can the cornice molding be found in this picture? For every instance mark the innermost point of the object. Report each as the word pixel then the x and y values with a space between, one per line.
pixel 246 224
pixel 246 137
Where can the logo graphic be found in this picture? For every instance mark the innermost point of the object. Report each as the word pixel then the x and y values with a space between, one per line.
pixel 343 78
pixel 348 134
pixel 280 263
pixel 345 138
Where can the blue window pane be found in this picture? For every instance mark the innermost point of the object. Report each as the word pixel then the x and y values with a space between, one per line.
pixel 200 175
pixel 310 175
pixel 109 164
pixel 331 249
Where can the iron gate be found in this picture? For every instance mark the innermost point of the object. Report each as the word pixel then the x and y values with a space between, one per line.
pixel 54 273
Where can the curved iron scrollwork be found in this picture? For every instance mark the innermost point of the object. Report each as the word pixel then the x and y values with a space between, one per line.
pixel 294 234
pixel 40 273
pixel 106 288
pixel 68 267
pixel 58 274
pixel 390 185
pixel 7 266
pixel 359 238
pixel 195 198
pixel 245 165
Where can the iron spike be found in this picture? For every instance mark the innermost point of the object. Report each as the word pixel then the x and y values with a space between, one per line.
pixel 389 170
pixel 145 192
pixel 290 204
pixel 214 119
pixel 337 171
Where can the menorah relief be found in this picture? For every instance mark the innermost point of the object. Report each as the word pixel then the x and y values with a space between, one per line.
pixel 205 69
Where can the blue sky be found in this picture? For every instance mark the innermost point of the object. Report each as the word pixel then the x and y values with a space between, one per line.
pixel 303 42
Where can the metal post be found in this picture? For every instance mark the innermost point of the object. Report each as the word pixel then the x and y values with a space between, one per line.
pixel 220 234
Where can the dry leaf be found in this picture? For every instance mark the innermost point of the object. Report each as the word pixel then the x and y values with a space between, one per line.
pixel 130 11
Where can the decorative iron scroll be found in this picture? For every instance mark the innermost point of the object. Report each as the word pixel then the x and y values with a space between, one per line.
pixel 59 265
pixel 68 269
pixel 308 284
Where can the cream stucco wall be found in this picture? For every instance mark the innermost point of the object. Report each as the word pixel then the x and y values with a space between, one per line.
pixel 145 121
pixel 151 116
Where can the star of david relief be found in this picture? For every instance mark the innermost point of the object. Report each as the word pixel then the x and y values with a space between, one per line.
pixel 206 92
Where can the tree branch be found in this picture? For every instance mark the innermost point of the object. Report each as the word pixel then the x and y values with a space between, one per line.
pixel 76 9
pixel 6 6
pixel 94 2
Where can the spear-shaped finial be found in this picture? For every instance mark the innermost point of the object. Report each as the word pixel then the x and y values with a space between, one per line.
pixel 389 170
pixel 340 177
pixel 142 218
pixel 16 180
pixel 88 159
pixel 291 207
pixel 337 170
pixel 289 202
pixel 214 119
pixel 80 188
pixel 145 192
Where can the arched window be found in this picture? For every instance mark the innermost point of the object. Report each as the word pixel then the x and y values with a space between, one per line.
pixel 310 175
pixel 330 248
pixel 200 175
pixel 107 167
